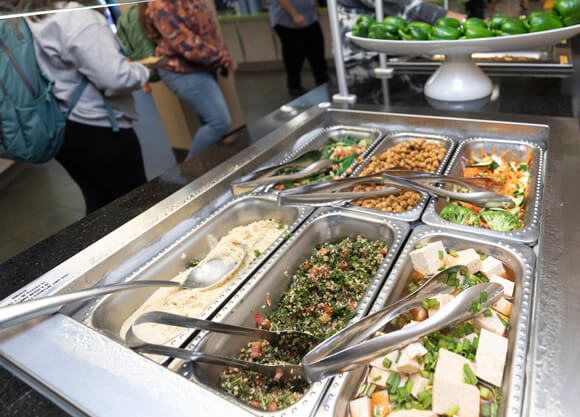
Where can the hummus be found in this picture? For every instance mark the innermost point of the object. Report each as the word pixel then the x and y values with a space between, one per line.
pixel 257 236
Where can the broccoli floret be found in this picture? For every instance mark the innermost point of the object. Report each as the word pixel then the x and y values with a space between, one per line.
pixel 459 215
pixel 499 220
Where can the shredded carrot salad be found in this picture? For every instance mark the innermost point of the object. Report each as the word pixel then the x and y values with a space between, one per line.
pixel 512 177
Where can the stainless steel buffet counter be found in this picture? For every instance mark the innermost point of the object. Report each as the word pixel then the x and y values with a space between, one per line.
pixel 88 372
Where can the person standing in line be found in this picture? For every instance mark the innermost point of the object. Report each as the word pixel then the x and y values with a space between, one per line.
pixel 186 35
pixel 296 23
pixel 79 45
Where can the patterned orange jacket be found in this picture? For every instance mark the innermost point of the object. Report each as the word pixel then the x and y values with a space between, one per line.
pixel 186 33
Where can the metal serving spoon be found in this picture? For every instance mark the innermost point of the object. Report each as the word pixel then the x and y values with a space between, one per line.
pixel 204 275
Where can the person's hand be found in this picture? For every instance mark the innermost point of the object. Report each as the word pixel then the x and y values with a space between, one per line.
pixel 152 62
pixel 299 20
pixel 232 65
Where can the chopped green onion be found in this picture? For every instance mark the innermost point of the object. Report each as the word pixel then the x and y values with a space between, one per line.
pixel 391 379
pixel 420 246
pixel 361 389
pixel 484 393
pixel 480 252
pixel 257 253
pixel 409 387
pixel 485 410
pixel 378 411
pixel 288 236
pixel 468 375
pixel 487 313
pixel 483 296
pixel 475 307
pixel 395 384
pixel 280 226
pixel 387 363
pixel 398 357
pixel 453 252
pixel 371 389
pixel 452 411
pixel 431 303
pixel 441 254
pixel 377 378
pixel 505 322
pixel 412 287
pixel 425 374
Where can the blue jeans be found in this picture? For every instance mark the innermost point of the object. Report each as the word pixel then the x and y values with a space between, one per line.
pixel 201 91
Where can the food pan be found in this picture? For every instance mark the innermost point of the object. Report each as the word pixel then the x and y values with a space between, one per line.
pixel 519 258
pixel 518 149
pixel 274 278
pixel 394 139
pixel 318 138
pixel 112 311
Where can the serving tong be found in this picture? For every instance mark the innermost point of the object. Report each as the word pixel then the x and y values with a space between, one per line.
pixel 347 349
pixel 310 161
pixel 331 192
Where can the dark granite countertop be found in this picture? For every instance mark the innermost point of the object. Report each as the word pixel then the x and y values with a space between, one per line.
pixel 525 94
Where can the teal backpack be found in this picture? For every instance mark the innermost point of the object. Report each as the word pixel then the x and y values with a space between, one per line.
pixel 31 122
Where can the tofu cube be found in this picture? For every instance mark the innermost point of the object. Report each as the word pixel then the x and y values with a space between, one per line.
pixel 449 389
pixel 378 362
pixel 361 407
pixel 503 306
pixel 493 323
pixel 408 365
pixel 490 357
pixel 419 384
pixel 449 368
pixel 429 259
pixel 447 394
pixel 379 377
pixel 508 286
pixel 492 266
pixel 413 413
pixel 443 299
pixel 468 257
pixel 415 350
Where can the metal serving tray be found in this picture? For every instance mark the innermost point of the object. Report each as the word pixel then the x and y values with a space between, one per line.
pixel 518 150
pixel 111 312
pixel 394 139
pixel 318 138
pixel 519 258
pixel 274 278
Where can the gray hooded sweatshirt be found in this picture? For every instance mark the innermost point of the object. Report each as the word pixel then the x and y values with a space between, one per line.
pixel 70 45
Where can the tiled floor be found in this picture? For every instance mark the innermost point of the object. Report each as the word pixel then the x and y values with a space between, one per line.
pixel 38 200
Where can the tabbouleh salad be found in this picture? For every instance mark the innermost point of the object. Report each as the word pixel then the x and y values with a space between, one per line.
pixel 322 298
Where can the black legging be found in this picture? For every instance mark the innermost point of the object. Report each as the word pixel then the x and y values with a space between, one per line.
pixel 105 164
pixel 298 44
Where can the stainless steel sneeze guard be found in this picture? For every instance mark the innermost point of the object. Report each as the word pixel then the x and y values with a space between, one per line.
pixel 388 142
pixel 531 230
pixel 110 312
pixel 274 278
pixel 519 258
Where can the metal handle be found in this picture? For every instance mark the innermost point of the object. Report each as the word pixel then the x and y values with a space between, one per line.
pixel 270 371
pixel 310 169
pixel 457 310
pixel 169 319
pixel 357 332
pixel 13 314
pixel 484 199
